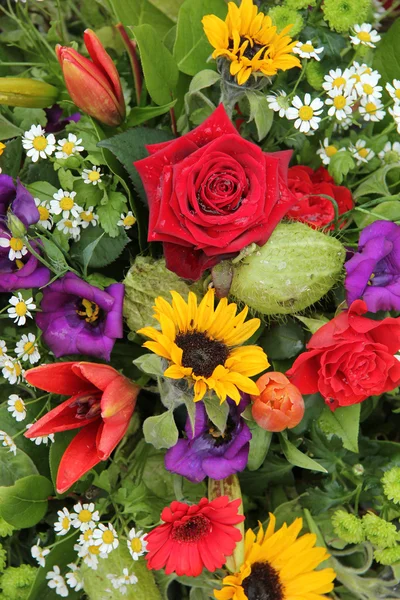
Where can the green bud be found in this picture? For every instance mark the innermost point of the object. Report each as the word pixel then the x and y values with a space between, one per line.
pixel 358 470
pixel 348 527
pixel 15 225
pixel 379 532
pixel 293 270
pixel 315 74
pixel 391 484
pixel 30 93
pixel 16 582
pixel 343 14
pixel 282 16
pixel 388 556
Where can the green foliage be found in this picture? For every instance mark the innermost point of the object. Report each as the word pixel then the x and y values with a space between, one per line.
pixel 296 457
pixel 343 14
pixel 216 412
pixel 344 422
pixel 14 467
pixel 340 165
pixel 141 114
pixel 259 446
pixel 282 16
pixel 260 113
pixel 10 160
pixel 139 12
pixel 8 130
pixel 42 190
pixel 96 249
pixel 161 430
pixel 25 503
pixel 15 583
pixel 283 341
pixel 24 117
pixel 387 53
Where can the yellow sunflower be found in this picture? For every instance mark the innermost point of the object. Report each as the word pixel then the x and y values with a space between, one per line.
pixel 249 40
pixel 279 566
pixel 200 343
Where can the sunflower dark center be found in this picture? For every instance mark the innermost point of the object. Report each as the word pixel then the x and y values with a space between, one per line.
pixel 192 530
pixel 251 50
pixel 263 583
pixel 201 353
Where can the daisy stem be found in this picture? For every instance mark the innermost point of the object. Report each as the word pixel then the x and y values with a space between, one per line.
pixel 62 540
pixel 302 73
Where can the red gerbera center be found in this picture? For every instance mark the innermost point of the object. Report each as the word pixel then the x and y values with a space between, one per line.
pixel 192 529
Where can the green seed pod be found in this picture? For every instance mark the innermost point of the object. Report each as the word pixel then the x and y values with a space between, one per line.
pixel 294 269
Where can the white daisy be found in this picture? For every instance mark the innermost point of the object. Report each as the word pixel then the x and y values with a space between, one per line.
pixel 15 244
pixel 327 150
pixel 45 219
pixel 39 553
pixel 57 581
pixel 85 537
pixel 368 87
pixel 365 35
pixel 8 442
pixel 306 113
pixel 85 516
pixel 64 202
pixel 92 175
pixel 360 152
pixel 71 228
pixel 43 439
pixel 340 103
pixel 27 349
pixel 68 146
pixel 361 73
pixel 393 90
pixel 90 553
pixel 307 50
pixel 278 102
pixel 395 112
pixel 63 525
pixel 20 309
pixel 337 78
pixel 120 583
pixel 371 110
pixel 87 217
pixel 12 371
pixel 74 577
pixel 105 537
pixel 127 221
pixel 136 543
pixel 16 406
pixel 379 11
pixel 3 352
pixel 116 583
pixel 38 144
pixel 390 153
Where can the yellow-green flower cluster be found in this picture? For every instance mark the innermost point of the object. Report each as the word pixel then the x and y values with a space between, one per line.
pixel 391 484
pixel 282 16
pixel 348 527
pixel 379 532
pixel 343 14
pixel 388 556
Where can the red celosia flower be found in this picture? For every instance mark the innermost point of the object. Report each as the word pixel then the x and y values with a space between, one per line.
pixel 102 402
pixel 193 537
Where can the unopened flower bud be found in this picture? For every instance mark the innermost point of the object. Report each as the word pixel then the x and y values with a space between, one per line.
pixel 30 93
pixel 358 470
pixel 280 405
pixel 15 225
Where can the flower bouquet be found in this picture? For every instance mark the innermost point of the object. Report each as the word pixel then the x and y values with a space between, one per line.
pixel 200 299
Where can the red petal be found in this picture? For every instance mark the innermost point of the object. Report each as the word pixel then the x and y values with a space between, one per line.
pixel 99 375
pixel 119 395
pixel 304 372
pixel 113 431
pixel 58 378
pixel 61 418
pixel 188 262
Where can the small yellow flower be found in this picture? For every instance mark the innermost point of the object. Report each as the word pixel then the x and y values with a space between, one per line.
pixel 2 148
pixel 249 40
pixel 201 345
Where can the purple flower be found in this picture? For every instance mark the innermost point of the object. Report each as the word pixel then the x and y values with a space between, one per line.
pixel 207 453
pixel 373 273
pixel 17 200
pixel 24 274
pixel 79 318
pixel 55 122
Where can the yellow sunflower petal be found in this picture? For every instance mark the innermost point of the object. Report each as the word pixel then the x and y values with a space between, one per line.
pixel 205 311
pixel 271 527
pixel 192 312
pixel 243 383
pixel 150 332
pixel 157 349
pixel 243 75
pixel 233 18
pixel 177 372
pixel 216 31
pixel 316 581
pixel 167 327
pixel 176 354
pixel 161 306
pixel 224 594
pixel 180 310
pixel 200 388
pixel 243 332
pixel 302 563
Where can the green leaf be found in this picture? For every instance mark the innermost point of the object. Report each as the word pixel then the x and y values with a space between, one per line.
pixel 139 12
pixel 170 8
pixel 141 114
pixel 202 80
pixel 192 48
pixel 24 117
pixel 88 252
pixel 42 190
pixel 8 130
pixel 24 504
pixel 389 211
pixel 150 364
pixel 159 67
pixel 100 280
pixel 376 183
pixel 10 160
pixel 297 458
pixel 14 467
pixel 87 195
pixel 387 54
pixel 67 179
pixel 344 422
pixel 191 409
pixel 54 254
pixel 260 113
pixel 110 213
pixel 161 430
pixel 259 446
pixel 340 165
pixel 104 253
pixel 283 341
pixel 216 412
pixel 313 324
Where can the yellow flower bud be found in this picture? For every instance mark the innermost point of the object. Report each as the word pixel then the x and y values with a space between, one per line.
pixel 31 93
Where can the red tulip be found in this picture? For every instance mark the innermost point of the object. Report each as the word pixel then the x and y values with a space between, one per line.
pixel 279 406
pixel 95 86
pixel 102 402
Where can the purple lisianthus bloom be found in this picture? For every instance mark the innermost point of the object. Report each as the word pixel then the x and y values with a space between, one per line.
pixel 207 452
pixel 79 318
pixel 55 120
pixel 17 200
pixel 373 273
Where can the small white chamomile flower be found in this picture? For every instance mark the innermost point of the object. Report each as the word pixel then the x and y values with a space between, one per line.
pixel 361 153
pixel 17 248
pixel 395 112
pixel 278 102
pixel 3 352
pixel 74 577
pixel 365 35
pixel 127 221
pixel 63 524
pixel 69 146
pixel 57 582
pixel 70 227
pixel 327 150
pixel 64 202
pixel 12 370
pixel 340 103
pixel 39 553
pixel 308 50
pixel 336 78
pixel 43 439
pixel 305 113
pixel 390 153
pixel 7 441
pixel 37 143
pixel 105 537
pixel 27 349
pixel 85 516
pixel 393 89
pixel 20 309
pixel 88 217
pixel 16 406
pixel 45 219
pixel 368 87
pixel 136 543
pixel 92 175
pixel 371 110
pixel 90 553
pixel 120 583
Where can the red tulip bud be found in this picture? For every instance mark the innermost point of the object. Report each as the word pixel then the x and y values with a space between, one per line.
pixel 95 86
pixel 280 405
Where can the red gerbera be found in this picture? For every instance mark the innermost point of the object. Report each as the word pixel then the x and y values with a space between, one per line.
pixel 194 536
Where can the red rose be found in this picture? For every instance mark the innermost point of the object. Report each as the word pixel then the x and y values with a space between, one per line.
pixel 350 358
pixel 311 208
pixel 211 193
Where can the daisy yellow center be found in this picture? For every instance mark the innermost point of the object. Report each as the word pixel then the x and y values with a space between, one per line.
pixel 19 406
pixel 307 48
pixel 263 577
pixel 94 175
pixel 87 216
pixel 129 220
pixel 136 545
pixel 330 151
pixel 19 263
pixel 29 347
pixel 68 224
pixel 94 549
pixel 397 93
pixel 21 309
pixel 68 148
pixel 368 89
pixel 364 36
pixel 338 81
pixel 17 369
pixel 370 107
pixel 44 213
pixel 108 537
pixel 65 523
pixel 85 516
pixel 87 535
pixel 1 351
pixel 16 244
pixel 306 113
pixel 339 102
pixel 66 203
pixel 356 77
pixel 39 143
pixel 363 152
pixel 201 353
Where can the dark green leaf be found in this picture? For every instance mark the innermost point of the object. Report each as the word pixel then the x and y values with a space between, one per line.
pixel 104 253
pixel 54 254
pixel 10 160
pixel 110 213
pixel 216 412
pixel 297 458
pixel 14 467
pixel 25 503
pixel 259 446
pixel 42 190
pixel 141 114
pixel 319 501
pixel 387 54
pixel 8 130
pixel 283 341
pixel 139 12
pixel 340 165
pixel 344 422
pixel 260 113
pixel 170 8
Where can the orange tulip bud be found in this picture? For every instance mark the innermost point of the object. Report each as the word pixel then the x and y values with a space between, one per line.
pixel 280 405
pixel 93 85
